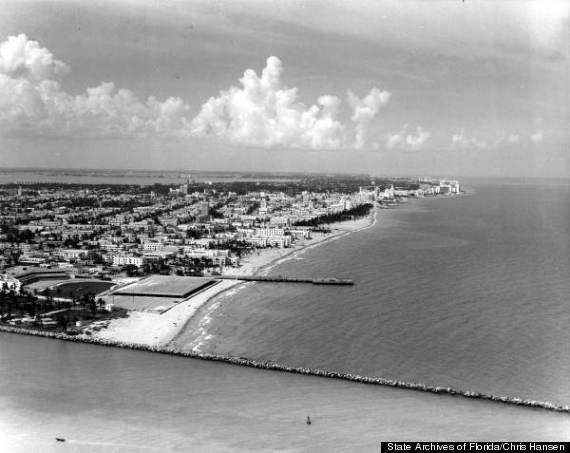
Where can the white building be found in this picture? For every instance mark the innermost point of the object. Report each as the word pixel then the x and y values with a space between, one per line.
pixel 125 260
pixel 282 242
pixel 269 232
pixel 10 283
pixel 73 253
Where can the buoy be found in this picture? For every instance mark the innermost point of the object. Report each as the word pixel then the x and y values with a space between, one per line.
pixel 308 420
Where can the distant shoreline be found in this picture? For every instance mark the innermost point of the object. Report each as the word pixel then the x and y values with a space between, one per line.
pixel 532 178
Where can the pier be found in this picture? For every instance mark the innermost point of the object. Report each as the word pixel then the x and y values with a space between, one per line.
pixel 282 279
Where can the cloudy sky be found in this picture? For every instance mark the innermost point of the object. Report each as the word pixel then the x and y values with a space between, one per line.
pixel 473 88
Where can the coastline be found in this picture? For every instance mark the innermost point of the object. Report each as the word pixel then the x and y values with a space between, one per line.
pixel 160 330
pixel 261 264
pixel 378 380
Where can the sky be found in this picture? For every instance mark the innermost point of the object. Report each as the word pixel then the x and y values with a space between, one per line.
pixel 407 87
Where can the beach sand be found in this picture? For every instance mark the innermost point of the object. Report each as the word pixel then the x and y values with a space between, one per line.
pixel 158 329
pixel 155 329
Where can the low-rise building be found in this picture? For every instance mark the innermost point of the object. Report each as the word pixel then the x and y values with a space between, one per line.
pixel 9 283
pixel 125 260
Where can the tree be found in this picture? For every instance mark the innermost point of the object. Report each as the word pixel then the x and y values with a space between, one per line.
pixel 3 298
pixel 91 303
pixel 131 270
pixel 62 322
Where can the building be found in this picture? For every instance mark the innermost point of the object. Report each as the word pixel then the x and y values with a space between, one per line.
pixel 204 210
pixel 262 207
pixel 125 260
pixel 69 254
pixel 282 242
pixel 26 275
pixel 9 283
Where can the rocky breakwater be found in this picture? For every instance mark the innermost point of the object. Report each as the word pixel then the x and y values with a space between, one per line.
pixel 269 365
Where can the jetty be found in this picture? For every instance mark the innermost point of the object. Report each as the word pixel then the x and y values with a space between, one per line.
pixel 283 279
pixel 269 365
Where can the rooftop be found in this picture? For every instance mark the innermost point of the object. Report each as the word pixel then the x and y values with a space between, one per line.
pixel 166 286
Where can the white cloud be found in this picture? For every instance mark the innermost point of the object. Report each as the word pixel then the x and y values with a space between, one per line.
pixel 264 112
pixel 33 102
pixel 507 139
pixel 462 141
pixel 513 139
pixel 546 22
pixel 537 137
pixel 408 141
pixel 22 58
pixel 364 111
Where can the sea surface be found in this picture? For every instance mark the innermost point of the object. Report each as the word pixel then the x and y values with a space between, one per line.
pixel 470 292
pixel 134 177
pixel 109 400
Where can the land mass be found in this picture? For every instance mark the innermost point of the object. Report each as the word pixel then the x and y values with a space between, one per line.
pixel 90 259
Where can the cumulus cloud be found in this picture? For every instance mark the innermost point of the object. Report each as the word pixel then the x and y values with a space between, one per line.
pixel 507 139
pixel 22 58
pixel 546 22
pixel 537 137
pixel 461 141
pixel 264 112
pixel 364 111
pixel 513 139
pixel 33 102
pixel 408 141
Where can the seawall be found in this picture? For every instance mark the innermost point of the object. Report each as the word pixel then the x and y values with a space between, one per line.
pixel 268 365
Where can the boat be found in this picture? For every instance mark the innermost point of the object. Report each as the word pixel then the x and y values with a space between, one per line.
pixel 60 439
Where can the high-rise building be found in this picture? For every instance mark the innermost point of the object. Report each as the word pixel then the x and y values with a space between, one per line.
pixel 204 209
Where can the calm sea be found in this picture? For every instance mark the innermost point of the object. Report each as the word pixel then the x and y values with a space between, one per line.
pixel 113 400
pixel 134 177
pixel 469 292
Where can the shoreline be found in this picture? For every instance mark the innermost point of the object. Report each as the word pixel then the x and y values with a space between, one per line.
pixel 263 265
pixel 131 343
pixel 317 372
pixel 160 330
pixel 269 258
pixel 342 229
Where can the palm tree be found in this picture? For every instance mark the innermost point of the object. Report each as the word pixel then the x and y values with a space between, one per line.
pixel 2 299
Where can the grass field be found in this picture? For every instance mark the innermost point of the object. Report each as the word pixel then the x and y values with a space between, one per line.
pixel 79 288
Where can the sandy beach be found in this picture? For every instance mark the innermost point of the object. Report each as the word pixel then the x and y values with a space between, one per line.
pixel 155 329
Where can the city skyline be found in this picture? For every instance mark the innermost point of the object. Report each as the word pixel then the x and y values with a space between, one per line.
pixel 466 89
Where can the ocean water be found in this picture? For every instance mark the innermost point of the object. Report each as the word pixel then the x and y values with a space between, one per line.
pixel 81 176
pixel 135 177
pixel 103 400
pixel 471 292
